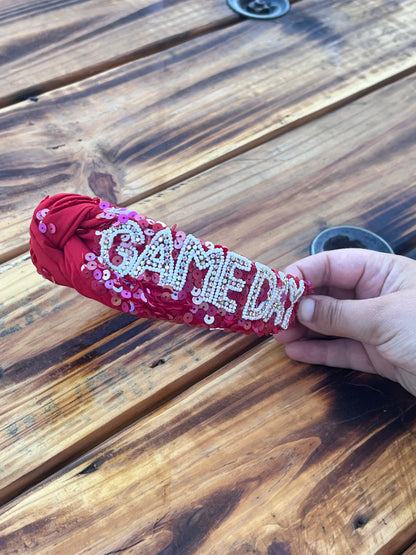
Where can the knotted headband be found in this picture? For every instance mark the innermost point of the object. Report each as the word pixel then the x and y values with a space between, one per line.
pixel 136 264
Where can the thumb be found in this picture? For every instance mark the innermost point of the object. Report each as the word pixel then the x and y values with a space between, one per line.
pixel 354 319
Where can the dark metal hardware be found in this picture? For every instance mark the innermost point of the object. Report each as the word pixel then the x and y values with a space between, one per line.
pixel 260 9
pixel 347 236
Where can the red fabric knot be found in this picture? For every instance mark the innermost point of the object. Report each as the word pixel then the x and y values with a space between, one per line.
pixel 136 264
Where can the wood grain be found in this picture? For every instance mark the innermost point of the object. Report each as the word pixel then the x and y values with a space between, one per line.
pixel 72 39
pixel 266 456
pixel 89 375
pixel 254 81
pixel 71 364
pixel 125 435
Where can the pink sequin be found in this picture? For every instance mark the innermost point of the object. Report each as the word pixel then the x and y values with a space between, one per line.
pixel 92 265
pixel 187 318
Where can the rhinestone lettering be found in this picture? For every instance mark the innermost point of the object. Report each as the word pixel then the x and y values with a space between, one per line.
pixel 212 260
pixel 156 257
pixel 228 282
pixel 152 270
pixel 127 251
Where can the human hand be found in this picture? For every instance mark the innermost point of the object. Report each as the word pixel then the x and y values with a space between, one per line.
pixel 362 314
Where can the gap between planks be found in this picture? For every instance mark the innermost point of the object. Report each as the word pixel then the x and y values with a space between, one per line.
pixel 233 153
pixel 153 158
pixel 163 397
pixel 313 171
pixel 400 546
pixel 174 390
pixel 312 116
pixel 95 69
pixel 107 65
pixel 411 550
pixel 217 411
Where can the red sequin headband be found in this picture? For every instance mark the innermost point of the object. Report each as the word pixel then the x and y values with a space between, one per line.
pixel 138 265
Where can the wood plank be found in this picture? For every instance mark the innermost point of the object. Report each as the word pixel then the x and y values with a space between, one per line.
pixel 70 40
pixel 266 456
pixel 98 371
pixel 91 377
pixel 156 121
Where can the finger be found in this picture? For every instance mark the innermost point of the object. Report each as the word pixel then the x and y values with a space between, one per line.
pixel 339 353
pixel 361 320
pixel 294 334
pixel 343 269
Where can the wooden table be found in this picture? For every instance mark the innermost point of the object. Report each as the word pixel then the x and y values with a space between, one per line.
pixel 120 435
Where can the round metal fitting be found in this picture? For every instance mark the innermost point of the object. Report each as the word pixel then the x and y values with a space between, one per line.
pixel 348 236
pixel 260 9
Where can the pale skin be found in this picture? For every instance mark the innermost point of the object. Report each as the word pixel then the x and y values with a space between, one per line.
pixel 362 314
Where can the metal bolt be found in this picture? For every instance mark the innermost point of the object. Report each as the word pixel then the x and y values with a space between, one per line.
pixel 347 236
pixel 260 9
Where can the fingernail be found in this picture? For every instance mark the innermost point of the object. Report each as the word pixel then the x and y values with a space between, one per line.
pixel 306 309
